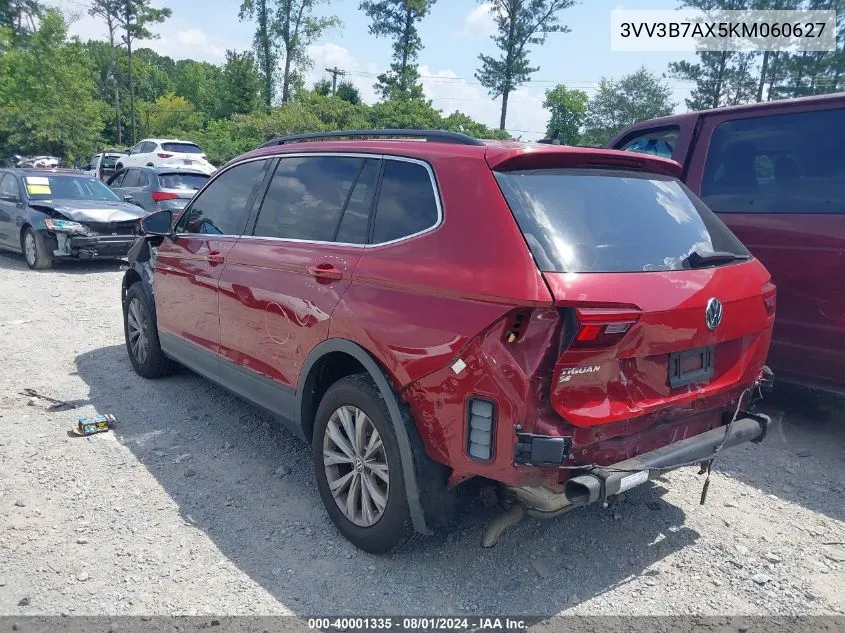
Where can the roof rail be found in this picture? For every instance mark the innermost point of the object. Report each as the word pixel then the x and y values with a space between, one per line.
pixel 440 136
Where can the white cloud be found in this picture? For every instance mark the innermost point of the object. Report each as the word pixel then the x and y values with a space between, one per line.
pixel 331 55
pixel 526 116
pixel 479 22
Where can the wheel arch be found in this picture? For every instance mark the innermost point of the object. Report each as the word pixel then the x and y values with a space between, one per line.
pixel 410 446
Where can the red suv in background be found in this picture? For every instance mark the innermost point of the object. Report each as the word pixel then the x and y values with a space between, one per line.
pixel 775 173
pixel 566 322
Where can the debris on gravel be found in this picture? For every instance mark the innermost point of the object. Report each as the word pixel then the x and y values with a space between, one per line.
pixel 199 503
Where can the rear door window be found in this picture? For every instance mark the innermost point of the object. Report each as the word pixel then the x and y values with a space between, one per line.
pixel 607 220
pixel 407 202
pixel 307 197
pixel 223 206
pixel 789 163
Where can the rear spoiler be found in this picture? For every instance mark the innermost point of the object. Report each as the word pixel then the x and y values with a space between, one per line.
pixel 561 156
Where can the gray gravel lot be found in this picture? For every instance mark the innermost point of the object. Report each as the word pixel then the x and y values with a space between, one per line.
pixel 200 504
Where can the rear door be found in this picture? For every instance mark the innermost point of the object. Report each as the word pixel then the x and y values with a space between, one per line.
pixel 188 267
pixel 284 278
pixel 132 185
pixel 779 182
pixel 10 208
pixel 654 320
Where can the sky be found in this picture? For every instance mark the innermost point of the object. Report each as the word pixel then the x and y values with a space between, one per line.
pixel 453 35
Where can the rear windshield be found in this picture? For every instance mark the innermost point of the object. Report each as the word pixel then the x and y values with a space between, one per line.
pixel 109 162
pixel 607 220
pixel 182 181
pixel 181 148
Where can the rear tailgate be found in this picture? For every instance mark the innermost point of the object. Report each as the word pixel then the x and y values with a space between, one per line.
pixel 635 262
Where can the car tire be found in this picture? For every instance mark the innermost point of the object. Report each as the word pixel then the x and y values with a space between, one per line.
pixel 374 477
pixel 141 334
pixel 36 249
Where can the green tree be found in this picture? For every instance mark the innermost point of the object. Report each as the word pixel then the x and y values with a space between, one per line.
pixel 519 25
pixel 134 17
pixel 169 115
pixel 616 104
pixel 298 27
pixel 241 84
pixel 20 17
pixel 568 109
pixel 47 94
pixel 347 91
pixel 397 19
pixel 266 47
pixel 200 83
pixel 108 11
pixel 323 87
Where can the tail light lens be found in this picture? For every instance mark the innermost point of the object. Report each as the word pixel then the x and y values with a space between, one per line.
pixel 770 296
pixel 162 155
pixel 602 327
pixel 160 196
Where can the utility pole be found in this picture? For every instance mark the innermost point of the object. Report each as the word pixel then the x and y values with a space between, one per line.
pixel 334 73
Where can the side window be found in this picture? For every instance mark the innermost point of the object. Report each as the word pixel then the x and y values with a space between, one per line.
pixel 356 216
pixel 788 163
pixel 116 182
pixel 307 196
pixel 407 202
pixel 132 178
pixel 222 208
pixel 658 142
pixel 137 148
pixel 9 186
pixel 143 179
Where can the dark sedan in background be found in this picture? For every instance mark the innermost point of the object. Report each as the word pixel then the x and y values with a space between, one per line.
pixel 62 214
pixel 158 188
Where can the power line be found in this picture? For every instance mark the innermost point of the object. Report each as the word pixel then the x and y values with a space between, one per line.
pixel 334 73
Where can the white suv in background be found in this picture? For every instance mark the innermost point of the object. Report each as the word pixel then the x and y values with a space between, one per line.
pixel 155 152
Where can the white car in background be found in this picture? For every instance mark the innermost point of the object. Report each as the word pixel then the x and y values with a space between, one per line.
pixel 156 152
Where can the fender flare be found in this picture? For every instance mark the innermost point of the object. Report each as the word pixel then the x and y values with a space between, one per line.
pixel 406 451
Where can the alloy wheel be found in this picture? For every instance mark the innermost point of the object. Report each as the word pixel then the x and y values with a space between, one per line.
pixel 137 326
pixel 30 249
pixel 356 466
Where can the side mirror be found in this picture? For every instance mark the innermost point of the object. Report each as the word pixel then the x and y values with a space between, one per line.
pixel 158 223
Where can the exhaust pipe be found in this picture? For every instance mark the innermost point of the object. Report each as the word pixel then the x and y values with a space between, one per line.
pixel 603 482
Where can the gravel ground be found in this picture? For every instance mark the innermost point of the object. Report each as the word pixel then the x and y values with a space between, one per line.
pixel 199 504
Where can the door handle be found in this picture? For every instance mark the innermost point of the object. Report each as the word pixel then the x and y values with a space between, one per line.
pixel 326 271
pixel 215 258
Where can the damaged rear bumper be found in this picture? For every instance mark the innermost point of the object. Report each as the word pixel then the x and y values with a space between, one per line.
pixel 599 483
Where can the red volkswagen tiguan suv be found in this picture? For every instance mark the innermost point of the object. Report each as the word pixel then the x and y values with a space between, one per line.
pixel 566 322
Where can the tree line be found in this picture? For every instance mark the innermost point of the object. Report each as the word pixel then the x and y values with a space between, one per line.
pixel 61 96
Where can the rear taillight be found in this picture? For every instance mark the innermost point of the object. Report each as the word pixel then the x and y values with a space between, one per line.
pixel 600 327
pixel 165 155
pixel 770 298
pixel 161 196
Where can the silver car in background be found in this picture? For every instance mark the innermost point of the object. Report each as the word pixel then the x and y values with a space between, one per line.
pixel 158 188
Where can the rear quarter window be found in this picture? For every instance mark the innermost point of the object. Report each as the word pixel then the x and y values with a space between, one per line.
pixel 607 220
pixel 407 202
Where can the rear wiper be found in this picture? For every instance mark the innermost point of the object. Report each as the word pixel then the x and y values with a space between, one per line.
pixel 698 259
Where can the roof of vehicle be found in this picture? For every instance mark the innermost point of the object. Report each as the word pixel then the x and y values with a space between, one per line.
pixel 56 171
pixel 674 119
pixel 164 140
pixel 498 154
pixel 167 170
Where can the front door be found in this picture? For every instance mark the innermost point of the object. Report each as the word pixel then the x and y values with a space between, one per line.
pixel 779 183
pixel 282 282
pixel 10 208
pixel 188 266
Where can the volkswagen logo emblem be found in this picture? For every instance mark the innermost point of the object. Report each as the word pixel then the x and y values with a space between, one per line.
pixel 713 313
